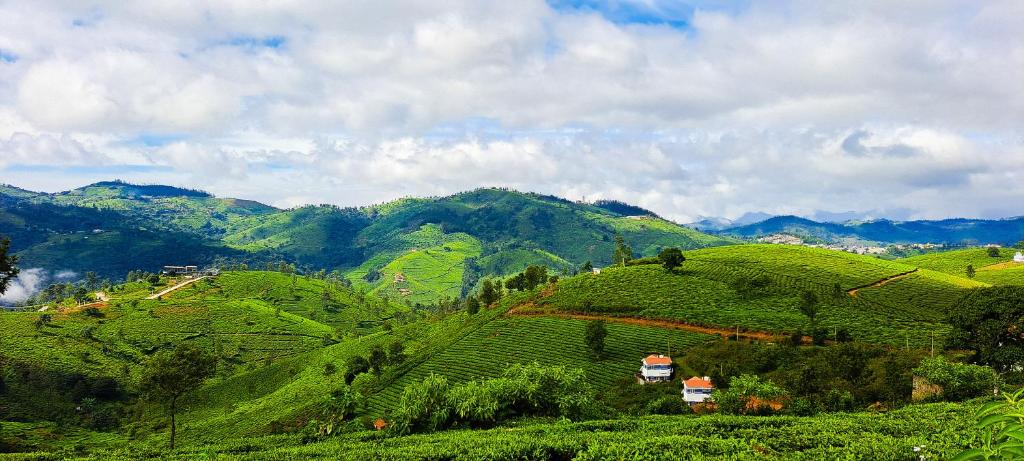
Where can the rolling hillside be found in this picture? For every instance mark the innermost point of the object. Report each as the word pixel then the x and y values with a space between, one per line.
pixel 758 288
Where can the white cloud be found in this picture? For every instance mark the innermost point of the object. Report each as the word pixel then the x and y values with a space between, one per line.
pixel 789 107
pixel 27 283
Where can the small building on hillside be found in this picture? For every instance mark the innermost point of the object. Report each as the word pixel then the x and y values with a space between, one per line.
pixel 399 277
pixel 1018 257
pixel 656 368
pixel 596 271
pixel 697 390
pixel 180 270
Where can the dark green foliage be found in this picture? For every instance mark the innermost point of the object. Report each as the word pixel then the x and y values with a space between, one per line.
pixel 970 271
pixel 594 337
pixel 396 353
pixel 489 294
pixel 472 305
pixel 671 258
pixel 869 373
pixel 529 279
pixel 377 359
pixel 809 305
pixel 623 252
pixel 8 267
pixel 993 252
pixel 748 394
pixel 524 390
pixel 751 287
pixel 988 321
pixel 587 268
pixel 959 381
pixel 169 375
pixel 356 365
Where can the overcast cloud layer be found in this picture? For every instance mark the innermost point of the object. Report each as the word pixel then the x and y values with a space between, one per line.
pixel 904 109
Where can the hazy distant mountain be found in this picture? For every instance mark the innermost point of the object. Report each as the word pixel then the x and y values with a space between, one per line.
pixel 955 231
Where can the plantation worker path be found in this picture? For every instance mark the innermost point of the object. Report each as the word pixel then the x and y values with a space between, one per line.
pixel 853 292
pixel 176 287
pixel 669 324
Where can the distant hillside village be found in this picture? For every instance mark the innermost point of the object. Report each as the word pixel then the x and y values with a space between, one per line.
pixel 857 248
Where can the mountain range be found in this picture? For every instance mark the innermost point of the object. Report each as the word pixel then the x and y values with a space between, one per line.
pixel 441 246
pixel 954 231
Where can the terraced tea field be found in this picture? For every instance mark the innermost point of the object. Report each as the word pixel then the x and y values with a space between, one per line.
pixel 705 293
pixel 488 350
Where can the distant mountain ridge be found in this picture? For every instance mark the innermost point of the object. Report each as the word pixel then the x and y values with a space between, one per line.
pixel 953 231
pixel 442 246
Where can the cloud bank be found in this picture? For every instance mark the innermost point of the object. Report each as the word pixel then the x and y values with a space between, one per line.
pixel 908 108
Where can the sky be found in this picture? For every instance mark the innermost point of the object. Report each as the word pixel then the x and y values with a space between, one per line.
pixel 902 109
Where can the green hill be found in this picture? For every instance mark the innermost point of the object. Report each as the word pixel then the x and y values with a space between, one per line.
pixel 758 287
pixel 992 270
pixel 445 244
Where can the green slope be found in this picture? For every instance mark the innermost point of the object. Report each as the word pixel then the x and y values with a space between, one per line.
pixel 706 292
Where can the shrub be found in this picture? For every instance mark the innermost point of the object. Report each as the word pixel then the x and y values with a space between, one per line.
pixel 748 394
pixel 959 381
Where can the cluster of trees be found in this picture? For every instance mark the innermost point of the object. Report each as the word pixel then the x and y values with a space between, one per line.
pixel 8 264
pixel 33 392
pixel 523 390
pixel 988 322
pixel 375 362
pixel 530 278
pixel 841 377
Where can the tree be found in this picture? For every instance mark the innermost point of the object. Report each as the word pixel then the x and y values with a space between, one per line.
pixel 472 305
pixel 587 268
pixel 988 321
pixel 671 258
pixel 355 366
pixel 623 252
pixel 377 359
pixel 748 394
pixel 970 271
pixel 1019 245
pixel 488 294
pixel 594 337
pixel 809 304
pixel 396 353
pixel 8 264
pixel 993 252
pixel 169 375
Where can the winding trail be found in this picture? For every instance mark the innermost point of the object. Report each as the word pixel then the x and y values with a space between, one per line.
pixel 176 287
pixel 519 311
pixel 891 278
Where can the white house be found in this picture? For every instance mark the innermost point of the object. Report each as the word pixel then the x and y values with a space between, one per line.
pixel 596 271
pixel 697 390
pixel 656 368
pixel 1018 257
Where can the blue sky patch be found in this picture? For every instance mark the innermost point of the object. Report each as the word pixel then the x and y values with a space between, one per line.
pixel 155 140
pixel 672 14
pixel 88 169
pixel 7 56
pixel 274 41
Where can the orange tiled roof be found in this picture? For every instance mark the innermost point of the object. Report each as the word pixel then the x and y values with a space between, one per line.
pixel 698 383
pixel 658 360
